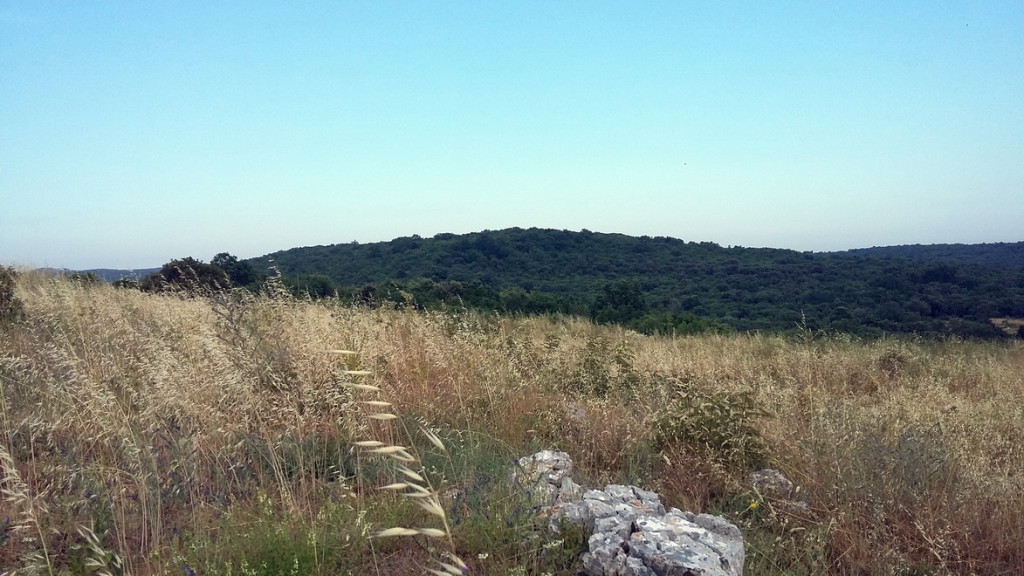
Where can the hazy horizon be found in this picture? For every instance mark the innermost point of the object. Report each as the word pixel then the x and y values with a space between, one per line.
pixel 207 258
pixel 134 134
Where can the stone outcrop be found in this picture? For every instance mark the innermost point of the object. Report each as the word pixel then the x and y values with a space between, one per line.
pixel 547 476
pixel 771 484
pixel 630 531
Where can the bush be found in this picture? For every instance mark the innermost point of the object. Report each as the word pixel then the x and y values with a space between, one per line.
pixel 242 273
pixel 85 278
pixel 314 286
pixel 11 307
pixel 719 426
pixel 127 284
pixel 189 276
pixel 599 370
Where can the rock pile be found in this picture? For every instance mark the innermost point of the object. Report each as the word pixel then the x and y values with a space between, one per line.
pixel 631 532
pixel 547 475
pixel 771 484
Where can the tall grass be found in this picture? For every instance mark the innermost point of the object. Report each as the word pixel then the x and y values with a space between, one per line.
pixel 163 434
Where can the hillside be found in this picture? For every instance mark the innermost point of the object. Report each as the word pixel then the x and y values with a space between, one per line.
pixel 104 274
pixel 151 434
pixel 110 275
pixel 742 288
pixel 997 255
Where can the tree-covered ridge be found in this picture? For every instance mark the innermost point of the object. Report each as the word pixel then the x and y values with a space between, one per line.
pixel 998 254
pixel 742 288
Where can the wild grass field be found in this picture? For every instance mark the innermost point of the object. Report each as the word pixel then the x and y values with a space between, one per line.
pixel 162 434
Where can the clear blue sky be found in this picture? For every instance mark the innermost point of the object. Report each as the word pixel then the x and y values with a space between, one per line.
pixel 132 133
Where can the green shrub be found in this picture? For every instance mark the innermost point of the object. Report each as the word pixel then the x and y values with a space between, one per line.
pixel 11 307
pixel 600 370
pixel 188 276
pixel 85 278
pixel 719 426
pixel 266 539
pixel 127 284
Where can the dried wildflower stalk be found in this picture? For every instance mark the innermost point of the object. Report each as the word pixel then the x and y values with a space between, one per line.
pixel 415 486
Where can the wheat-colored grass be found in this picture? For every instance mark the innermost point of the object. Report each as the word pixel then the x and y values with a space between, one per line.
pixel 132 424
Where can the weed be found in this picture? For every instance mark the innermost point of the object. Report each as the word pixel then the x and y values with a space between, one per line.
pixel 413 484
pixel 721 425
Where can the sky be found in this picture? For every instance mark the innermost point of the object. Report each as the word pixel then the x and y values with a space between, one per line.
pixel 133 133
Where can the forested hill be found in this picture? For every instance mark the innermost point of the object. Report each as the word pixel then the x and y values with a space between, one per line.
pixel 1000 254
pixel 742 288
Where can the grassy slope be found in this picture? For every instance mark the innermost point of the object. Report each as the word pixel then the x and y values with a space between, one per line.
pixel 217 437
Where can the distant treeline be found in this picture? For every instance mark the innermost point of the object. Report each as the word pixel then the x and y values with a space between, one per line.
pixel 998 254
pixel 657 284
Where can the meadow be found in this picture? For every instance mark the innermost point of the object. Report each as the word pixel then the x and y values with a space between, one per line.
pixel 249 434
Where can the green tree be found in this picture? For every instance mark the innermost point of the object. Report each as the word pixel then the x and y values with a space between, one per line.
pixel 619 302
pixel 314 286
pixel 366 296
pixel 514 300
pixel 188 275
pixel 241 272
pixel 677 323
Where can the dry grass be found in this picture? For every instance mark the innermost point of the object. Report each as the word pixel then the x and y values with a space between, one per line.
pixel 168 428
pixel 1009 325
